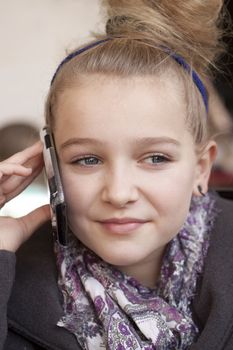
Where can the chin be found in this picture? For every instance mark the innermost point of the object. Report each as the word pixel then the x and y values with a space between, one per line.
pixel 119 259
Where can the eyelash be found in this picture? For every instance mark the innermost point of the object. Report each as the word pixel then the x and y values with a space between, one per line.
pixel 160 159
pixel 156 159
pixel 84 159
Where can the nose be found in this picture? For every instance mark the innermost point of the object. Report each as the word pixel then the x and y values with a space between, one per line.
pixel 120 188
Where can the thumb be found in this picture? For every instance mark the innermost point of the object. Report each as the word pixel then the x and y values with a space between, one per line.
pixel 34 220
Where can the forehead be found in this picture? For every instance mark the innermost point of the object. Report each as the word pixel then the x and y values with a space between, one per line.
pixel 135 103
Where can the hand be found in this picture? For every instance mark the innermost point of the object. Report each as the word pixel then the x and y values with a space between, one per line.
pixel 16 173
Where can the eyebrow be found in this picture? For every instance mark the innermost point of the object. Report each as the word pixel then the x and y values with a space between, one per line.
pixel 144 141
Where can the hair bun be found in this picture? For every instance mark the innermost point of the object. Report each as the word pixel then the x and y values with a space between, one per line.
pixel 115 22
pixel 189 27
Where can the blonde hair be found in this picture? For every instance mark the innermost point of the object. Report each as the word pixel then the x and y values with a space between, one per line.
pixel 140 30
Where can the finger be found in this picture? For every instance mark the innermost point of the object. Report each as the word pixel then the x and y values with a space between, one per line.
pixel 15 185
pixel 23 156
pixel 8 169
pixel 2 200
pixel 30 222
pixel 10 183
pixel 34 161
pixel 15 231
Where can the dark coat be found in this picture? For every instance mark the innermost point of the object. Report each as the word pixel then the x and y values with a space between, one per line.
pixel 35 304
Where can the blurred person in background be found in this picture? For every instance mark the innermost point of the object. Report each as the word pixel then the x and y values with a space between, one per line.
pixel 221 111
pixel 221 127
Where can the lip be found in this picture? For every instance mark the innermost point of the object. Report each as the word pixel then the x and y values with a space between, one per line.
pixel 122 225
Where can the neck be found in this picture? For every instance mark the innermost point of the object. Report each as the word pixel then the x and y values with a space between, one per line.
pixel 146 272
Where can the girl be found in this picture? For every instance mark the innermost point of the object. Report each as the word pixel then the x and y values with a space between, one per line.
pixel 149 256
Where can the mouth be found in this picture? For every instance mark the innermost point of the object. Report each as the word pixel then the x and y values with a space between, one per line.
pixel 123 225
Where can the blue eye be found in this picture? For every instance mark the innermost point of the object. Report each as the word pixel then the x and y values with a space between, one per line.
pixel 156 159
pixel 87 161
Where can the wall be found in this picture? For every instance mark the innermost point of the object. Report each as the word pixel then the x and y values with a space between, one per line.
pixel 34 35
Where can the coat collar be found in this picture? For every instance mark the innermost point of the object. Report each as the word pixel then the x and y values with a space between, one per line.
pixel 213 307
pixel 35 312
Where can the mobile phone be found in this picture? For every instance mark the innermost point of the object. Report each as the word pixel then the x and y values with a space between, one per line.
pixel 57 199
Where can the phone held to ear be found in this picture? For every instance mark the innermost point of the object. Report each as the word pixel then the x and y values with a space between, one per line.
pixel 57 200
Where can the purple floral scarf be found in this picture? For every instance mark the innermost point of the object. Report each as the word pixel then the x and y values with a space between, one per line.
pixel 106 309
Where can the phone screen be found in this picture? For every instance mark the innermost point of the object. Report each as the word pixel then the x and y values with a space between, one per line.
pixel 57 200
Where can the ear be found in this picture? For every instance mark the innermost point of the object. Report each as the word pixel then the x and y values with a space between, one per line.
pixel 204 165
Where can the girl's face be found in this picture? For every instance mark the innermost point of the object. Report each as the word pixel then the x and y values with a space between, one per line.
pixel 128 166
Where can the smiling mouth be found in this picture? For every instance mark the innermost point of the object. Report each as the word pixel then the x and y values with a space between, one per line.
pixel 122 226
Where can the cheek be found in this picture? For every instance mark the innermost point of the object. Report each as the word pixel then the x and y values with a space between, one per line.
pixel 170 195
pixel 80 193
pixel 175 183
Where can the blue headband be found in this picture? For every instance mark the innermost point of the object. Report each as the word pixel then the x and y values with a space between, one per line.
pixel 179 59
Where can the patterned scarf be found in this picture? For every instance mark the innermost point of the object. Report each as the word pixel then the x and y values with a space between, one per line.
pixel 106 309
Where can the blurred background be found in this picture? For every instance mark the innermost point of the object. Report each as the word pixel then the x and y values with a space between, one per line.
pixel 221 112
pixel 35 36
